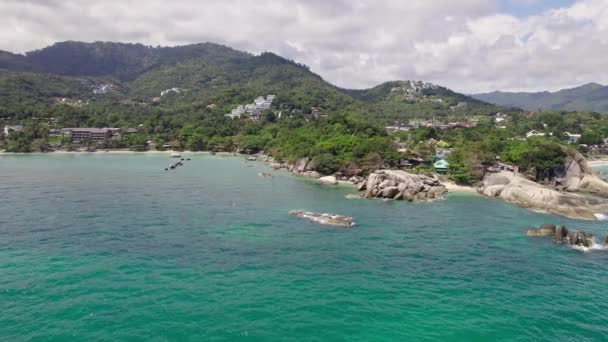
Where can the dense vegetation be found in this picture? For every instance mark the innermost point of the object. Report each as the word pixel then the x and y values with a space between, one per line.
pixel 119 85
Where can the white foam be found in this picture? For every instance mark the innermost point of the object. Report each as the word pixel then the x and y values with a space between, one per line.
pixel 601 216
pixel 594 247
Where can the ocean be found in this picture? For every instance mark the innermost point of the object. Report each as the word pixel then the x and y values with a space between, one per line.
pixel 112 247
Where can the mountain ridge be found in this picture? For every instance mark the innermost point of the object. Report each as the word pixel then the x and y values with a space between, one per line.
pixel 212 74
pixel 592 97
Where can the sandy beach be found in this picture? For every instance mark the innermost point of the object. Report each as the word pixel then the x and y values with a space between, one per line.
pixel 598 162
pixel 453 187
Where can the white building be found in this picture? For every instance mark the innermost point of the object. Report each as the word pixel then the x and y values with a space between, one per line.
pixel 15 128
pixel 572 138
pixel 254 109
pixel 534 133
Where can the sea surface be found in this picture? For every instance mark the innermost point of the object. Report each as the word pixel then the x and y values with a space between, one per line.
pixel 98 247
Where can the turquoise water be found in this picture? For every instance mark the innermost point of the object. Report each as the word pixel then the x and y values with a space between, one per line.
pixel 110 247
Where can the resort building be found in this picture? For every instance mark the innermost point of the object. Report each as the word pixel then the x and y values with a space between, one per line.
pixel 96 135
pixel 254 109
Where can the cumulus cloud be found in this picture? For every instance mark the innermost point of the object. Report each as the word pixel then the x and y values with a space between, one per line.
pixel 466 45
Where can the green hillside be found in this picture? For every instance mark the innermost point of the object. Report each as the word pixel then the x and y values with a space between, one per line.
pixel 122 78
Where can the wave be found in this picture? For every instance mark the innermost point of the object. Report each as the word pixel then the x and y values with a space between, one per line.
pixel 601 216
pixel 595 246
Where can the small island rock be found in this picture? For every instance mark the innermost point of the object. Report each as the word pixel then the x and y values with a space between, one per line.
pixel 325 219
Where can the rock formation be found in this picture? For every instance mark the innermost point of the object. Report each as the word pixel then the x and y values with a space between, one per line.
pixel 400 185
pixel 325 219
pixel 579 177
pixel 581 239
pixel 522 192
pixel 561 234
pixel 328 180
pixel 303 167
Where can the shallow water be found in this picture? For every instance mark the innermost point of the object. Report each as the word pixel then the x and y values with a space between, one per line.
pixel 111 247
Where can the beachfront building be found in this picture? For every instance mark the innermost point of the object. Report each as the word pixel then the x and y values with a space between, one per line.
pixel 96 135
pixel 442 167
pixel 12 128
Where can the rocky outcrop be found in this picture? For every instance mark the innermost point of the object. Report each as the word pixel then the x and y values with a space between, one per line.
pixel 328 180
pixel 299 166
pixel 580 239
pixel 325 219
pixel 401 185
pixel 578 176
pixel 516 189
pixel 561 234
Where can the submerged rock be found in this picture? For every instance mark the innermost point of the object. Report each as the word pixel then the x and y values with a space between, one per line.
pixel 325 219
pixel 579 176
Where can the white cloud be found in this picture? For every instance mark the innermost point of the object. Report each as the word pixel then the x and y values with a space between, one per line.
pixel 462 44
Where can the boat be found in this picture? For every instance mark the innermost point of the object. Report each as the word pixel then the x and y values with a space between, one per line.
pixel 252 159
pixel 176 155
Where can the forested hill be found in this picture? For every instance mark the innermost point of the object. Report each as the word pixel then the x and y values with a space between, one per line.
pixel 114 77
pixel 590 97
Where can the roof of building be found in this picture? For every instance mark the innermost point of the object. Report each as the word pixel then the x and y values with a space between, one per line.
pixel 441 164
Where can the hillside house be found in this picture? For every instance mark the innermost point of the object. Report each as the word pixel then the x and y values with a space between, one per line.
pixel 572 138
pixel 534 133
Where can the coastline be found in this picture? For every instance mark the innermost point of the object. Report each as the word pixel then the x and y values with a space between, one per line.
pixel 451 186
pixel 63 152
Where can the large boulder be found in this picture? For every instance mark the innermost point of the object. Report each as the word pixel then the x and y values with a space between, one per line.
pixel 579 176
pixel 328 180
pixel 561 233
pixel 300 165
pixel 516 189
pixel 390 192
pixel 581 239
pixel 401 185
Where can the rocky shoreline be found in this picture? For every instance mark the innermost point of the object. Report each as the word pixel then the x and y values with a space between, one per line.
pixel 580 193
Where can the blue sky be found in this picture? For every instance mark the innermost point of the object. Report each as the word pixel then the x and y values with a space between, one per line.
pixel 524 8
